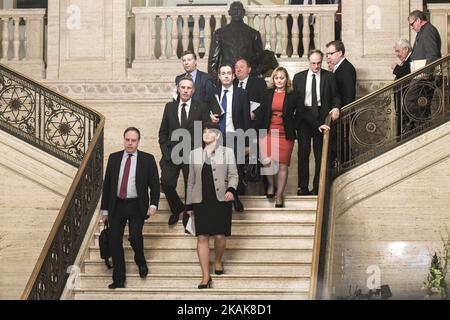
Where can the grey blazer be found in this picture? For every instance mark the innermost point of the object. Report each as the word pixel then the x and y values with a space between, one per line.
pixel 224 169
pixel 427 45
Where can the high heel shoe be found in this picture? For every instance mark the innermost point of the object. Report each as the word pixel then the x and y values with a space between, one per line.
pixel 280 205
pixel 207 285
pixel 219 272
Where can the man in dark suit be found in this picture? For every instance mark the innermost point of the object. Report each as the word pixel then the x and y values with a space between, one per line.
pixel 129 175
pixel 236 106
pixel 344 71
pixel 428 41
pixel 255 88
pixel 179 115
pixel 317 93
pixel 403 52
pixel 427 46
pixel 253 85
pixel 203 82
pixel 345 75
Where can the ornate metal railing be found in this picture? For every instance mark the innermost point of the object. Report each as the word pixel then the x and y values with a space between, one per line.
pixel 373 125
pixel 396 113
pixel 44 118
pixel 73 133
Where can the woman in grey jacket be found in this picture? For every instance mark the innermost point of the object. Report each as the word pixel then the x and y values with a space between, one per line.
pixel 211 186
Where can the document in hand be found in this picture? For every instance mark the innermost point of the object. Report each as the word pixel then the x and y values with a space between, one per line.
pixel 417 64
pixel 190 226
pixel 254 105
pixel 216 107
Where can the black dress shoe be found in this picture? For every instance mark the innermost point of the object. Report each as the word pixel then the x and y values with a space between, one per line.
pixel 173 219
pixel 116 285
pixel 303 192
pixel 238 206
pixel 207 285
pixel 315 192
pixel 143 271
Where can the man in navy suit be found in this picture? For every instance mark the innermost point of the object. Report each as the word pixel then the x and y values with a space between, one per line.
pixel 317 93
pixel 236 106
pixel 129 175
pixel 255 87
pixel 203 82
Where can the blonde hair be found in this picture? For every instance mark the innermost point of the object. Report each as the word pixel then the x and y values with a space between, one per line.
pixel 289 87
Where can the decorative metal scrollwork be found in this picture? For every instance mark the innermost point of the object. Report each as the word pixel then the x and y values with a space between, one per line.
pixel 370 126
pixel 65 129
pixel 398 112
pixel 422 100
pixel 17 107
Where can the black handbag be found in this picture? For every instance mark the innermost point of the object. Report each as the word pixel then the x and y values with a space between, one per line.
pixel 103 243
pixel 252 173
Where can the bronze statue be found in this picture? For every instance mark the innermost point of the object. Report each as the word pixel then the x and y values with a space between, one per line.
pixel 235 40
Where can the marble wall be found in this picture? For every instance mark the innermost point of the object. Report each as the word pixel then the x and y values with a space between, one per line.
pixel 388 218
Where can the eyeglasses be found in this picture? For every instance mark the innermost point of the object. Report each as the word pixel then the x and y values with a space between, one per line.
pixel 331 53
pixel 412 23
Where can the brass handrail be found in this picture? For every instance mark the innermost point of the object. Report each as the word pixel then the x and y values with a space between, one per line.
pixel 98 138
pixel 395 83
pixel 320 211
pixel 69 228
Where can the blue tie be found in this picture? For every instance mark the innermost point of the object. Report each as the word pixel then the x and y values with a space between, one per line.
pixel 223 120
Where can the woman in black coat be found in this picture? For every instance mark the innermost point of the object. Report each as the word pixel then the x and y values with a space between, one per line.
pixel 276 115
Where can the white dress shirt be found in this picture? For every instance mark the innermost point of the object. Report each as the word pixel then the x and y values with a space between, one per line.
pixel 244 83
pixel 229 126
pixel 308 95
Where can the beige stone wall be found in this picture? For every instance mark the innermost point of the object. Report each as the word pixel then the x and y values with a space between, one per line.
pixel 391 213
pixel 87 39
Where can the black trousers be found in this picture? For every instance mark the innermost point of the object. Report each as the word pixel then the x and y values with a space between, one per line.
pixel 305 134
pixel 240 166
pixel 169 178
pixel 126 210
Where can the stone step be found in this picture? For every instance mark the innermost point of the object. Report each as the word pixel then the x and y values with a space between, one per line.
pixel 259 255
pixel 240 227
pixel 177 281
pixel 189 294
pixel 254 214
pixel 165 240
pixel 298 202
pixel 98 266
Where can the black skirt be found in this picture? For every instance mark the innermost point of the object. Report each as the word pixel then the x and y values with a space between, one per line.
pixel 211 216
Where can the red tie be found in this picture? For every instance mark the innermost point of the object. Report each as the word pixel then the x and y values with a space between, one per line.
pixel 126 173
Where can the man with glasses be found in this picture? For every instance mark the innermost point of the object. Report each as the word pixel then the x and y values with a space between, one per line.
pixel 344 71
pixel 427 48
pixel 345 74
pixel 428 42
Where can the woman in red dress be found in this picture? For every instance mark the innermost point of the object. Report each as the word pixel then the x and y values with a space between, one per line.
pixel 276 115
